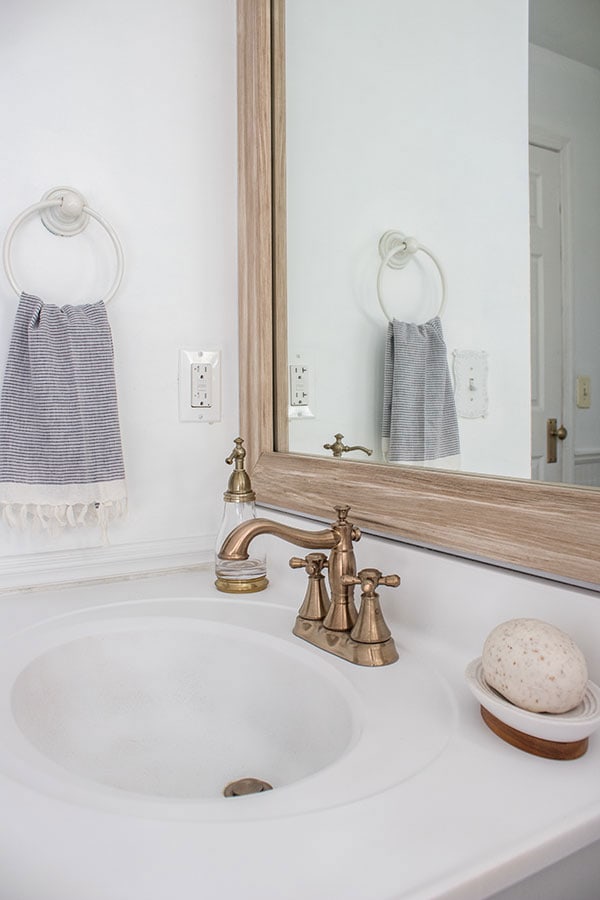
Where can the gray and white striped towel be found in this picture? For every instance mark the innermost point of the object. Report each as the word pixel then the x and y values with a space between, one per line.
pixel 419 414
pixel 60 444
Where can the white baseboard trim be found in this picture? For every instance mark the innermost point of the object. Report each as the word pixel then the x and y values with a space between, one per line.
pixel 100 563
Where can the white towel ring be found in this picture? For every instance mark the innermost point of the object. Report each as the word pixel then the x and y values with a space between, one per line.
pixel 64 212
pixel 396 251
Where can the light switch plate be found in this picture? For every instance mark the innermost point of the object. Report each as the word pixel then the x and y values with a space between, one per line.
pixel 199 385
pixel 470 383
pixel 584 390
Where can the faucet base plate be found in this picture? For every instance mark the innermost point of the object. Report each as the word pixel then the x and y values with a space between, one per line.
pixel 341 644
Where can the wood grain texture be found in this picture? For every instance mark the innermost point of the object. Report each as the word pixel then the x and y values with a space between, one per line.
pixel 527 525
pixel 280 313
pixel 550 529
pixel 535 745
pixel 255 225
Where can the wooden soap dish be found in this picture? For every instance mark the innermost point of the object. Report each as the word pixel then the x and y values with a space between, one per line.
pixel 531 744
pixel 553 736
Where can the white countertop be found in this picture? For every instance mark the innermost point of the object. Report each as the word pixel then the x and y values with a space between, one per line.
pixel 479 817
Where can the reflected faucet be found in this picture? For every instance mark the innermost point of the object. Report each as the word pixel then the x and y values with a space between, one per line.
pixel 362 638
pixel 338 447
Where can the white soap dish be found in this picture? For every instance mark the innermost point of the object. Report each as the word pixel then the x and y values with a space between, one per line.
pixel 556 736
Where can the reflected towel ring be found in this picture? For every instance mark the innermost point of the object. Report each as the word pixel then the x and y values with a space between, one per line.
pixel 64 212
pixel 396 251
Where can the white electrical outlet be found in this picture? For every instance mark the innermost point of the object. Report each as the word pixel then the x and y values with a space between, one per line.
pixel 300 392
pixel 200 385
pixel 299 385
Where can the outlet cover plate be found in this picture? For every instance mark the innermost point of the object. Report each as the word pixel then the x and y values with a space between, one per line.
pixel 209 363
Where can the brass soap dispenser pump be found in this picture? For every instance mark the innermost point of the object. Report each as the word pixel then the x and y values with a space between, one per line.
pixel 239 576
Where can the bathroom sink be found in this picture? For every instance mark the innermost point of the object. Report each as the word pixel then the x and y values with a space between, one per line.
pixel 153 707
pixel 180 709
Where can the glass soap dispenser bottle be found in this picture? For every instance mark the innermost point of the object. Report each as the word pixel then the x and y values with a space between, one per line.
pixel 239 576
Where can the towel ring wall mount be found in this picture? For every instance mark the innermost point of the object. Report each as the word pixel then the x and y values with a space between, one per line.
pixel 64 212
pixel 396 251
pixel 66 217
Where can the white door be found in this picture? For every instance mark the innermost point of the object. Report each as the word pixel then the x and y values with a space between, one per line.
pixel 546 309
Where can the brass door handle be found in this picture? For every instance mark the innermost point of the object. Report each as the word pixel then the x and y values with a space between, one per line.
pixel 553 433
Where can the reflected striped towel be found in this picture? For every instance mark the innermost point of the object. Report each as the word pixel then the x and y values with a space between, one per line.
pixel 419 414
pixel 60 444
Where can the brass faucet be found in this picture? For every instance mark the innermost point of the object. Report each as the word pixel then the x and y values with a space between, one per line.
pixel 338 447
pixel 336 627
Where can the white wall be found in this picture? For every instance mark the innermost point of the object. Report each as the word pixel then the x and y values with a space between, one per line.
pixel 410 116
pixel 565 101
pixel 133 103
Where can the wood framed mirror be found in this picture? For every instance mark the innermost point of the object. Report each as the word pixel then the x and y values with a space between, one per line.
pixel 552 530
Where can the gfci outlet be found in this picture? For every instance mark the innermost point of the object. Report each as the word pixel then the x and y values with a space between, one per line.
pixel 301 391
pixel 200 385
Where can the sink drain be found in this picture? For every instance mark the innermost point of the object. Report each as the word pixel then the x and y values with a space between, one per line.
pixel 244 786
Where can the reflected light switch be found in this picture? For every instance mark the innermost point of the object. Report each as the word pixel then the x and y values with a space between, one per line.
pixel 583 392
pixel 470 383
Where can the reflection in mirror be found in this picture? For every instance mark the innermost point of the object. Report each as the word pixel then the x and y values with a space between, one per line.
pixel 529 525
pixel 425 131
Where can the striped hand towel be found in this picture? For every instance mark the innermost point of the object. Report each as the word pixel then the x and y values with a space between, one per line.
pixel 60 445
pixel 419 414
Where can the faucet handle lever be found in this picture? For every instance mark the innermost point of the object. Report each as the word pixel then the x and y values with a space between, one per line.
pixel 370 627
pixel 369 579
pixel 313 563
pixel 316 601
pixel 390 580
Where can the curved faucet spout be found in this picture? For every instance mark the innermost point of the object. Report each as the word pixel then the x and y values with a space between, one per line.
pixel 329 627
pixel 235 545
pixel 338 538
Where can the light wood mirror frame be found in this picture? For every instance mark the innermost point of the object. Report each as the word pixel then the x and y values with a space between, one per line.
pixel 549 529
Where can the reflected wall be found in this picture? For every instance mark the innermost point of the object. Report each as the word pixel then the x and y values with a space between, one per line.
pixel 414 117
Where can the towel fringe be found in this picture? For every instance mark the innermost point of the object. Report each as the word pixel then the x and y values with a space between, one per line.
pixel 51 518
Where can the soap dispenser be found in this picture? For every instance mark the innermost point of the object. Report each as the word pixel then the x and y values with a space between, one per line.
pixel 239 576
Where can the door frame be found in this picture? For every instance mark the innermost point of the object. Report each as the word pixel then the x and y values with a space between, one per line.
pixel 547 140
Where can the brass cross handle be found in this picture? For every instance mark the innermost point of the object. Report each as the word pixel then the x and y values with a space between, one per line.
pixel 312 563
pixel 337 448
pixel 316 600
pixel 369 579
pixel 370 627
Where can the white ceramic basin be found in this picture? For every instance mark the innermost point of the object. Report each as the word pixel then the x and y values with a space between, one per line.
pixel 152 707
pixel 179 709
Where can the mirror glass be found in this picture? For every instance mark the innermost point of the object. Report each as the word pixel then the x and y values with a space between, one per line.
pixel 442 123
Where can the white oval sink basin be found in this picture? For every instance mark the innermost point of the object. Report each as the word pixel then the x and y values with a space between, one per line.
pixel 180 710
pixel 153 707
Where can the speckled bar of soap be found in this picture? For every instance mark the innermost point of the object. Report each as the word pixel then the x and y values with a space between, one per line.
pixel 535 665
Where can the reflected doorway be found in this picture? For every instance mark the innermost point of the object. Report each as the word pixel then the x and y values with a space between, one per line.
pixel 551 415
